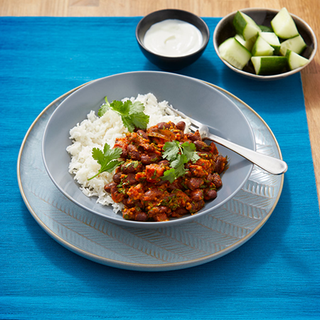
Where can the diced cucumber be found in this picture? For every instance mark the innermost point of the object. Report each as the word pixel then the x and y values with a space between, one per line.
pixel 295 44
pixel 234 53
pixel 283 25
pixel 262 48
pixel 248 44
pixel 295 60
pixel 245 26
pixel 269 64
pixel 272 39
pixel 271 50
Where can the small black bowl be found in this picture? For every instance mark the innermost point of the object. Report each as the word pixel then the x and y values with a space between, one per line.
pixel 171 63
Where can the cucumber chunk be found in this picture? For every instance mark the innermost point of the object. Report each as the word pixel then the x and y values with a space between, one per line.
pixel 269 64
pixel 235 53
pixel 295 60
pixel 271 50
pixel 245 26
pixel 248 44
pixel 262 48
pixel 283 25
pixel 272 39
pixel 295 44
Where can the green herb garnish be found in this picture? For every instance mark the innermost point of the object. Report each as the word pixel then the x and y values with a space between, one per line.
pixel 132 114
pixel 108 158
pixel 178 155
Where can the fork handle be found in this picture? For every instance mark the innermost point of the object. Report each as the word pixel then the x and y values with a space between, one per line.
pixel 267 163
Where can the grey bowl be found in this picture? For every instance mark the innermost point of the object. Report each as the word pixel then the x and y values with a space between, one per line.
pixel 261 16
pixel 193 97
pixel 171 63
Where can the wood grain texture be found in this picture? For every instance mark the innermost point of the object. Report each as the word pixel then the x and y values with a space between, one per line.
pixel 308 10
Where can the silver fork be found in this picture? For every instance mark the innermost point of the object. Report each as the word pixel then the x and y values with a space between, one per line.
pixel 267 163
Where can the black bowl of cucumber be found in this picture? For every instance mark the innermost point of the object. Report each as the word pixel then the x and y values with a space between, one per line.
pixel 264 44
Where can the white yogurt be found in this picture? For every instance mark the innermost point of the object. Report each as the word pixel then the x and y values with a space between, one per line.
pixel 173 38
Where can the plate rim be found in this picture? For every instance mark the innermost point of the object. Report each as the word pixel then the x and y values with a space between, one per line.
pixel 142 266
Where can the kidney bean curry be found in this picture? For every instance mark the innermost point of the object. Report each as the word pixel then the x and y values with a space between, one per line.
pixel 140 182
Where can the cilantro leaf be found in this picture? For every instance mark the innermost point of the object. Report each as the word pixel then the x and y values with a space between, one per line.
pixel 171 150
pixel 169 175
pixel 178 165
pixel 122 108
pixel 178 155
pixel 97 155
pixel 132 114
pixel 107 158
pixel 127 122
pixel 189 151
pixel 103 109
pixel 140 120
pixel 136 107
pixel 180 160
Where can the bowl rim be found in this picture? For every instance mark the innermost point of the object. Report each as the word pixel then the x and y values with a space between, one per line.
pixel 264 77
pixel 132 223
pixel 205 29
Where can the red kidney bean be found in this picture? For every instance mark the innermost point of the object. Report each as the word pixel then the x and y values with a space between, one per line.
pixel 124 153
pixel 152 194
pixel 197 195
pixel 141 216
pixel 143 134
pixel 215 179
pixel 220 164
pixel 181 125
pixel 133 152
pixel 131 178
pixel 163 125
pixel 110 187
pixel 131 167
pixel 196 206
pixel 155 211
pixel 193 136
pixel 149 158
pixel 128 202
pixel 195 183
pixel 164 162
pixel 201 145
pixel 117 177
pixel 145 159
pixel 210 194
pixel 180 211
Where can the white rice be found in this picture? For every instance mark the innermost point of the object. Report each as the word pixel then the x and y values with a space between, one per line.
pixel 94 132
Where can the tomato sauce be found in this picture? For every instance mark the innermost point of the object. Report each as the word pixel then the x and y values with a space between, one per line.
pixel 139 181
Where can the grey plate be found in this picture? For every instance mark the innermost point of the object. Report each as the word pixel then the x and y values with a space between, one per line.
pixel 191 96
pixel 190 244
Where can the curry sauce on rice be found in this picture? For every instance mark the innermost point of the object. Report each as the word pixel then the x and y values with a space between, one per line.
pixel 156 172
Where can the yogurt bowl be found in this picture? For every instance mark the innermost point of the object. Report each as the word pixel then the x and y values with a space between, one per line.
pixel 172 39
